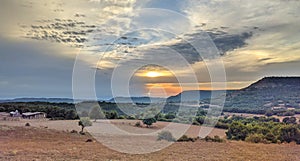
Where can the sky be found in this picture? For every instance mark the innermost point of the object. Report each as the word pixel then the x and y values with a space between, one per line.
pixel 152 48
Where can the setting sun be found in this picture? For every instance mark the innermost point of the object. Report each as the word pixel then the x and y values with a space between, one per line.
pixel 153 74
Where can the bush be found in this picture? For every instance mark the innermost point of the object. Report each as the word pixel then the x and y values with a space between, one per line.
pixel 130 117
pixel 149 121
pixel 2 109
pixel 185 138
pixel 111 114
pixel 214 139
pixel 255 138
pixel 27 124
pixel 165 135
pixel 290 120
pixel 84 122
pixel 222 125
pixel 121 117
pixel 138 124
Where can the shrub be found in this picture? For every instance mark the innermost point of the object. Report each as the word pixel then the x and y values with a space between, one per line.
pixel 111 114
pixel 214 139
pixel 121 117
pixel 2 109
pixel 27 124
pixel 271 137
pixel 84 122
pixel 255 138
pixel 130 117
pixel 138 124
pixel 195 123
pixel 165 135
pixel 149 121
pixel 89 140
pixel 185 138
pixel 290 120
pixel 221 125
pixel 289 133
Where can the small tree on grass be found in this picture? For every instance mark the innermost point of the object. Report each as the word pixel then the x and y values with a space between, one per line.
pixel 84 122
pixel 149 121
pixel 96 113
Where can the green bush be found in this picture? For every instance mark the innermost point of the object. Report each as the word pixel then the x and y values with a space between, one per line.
pixel 165 135
pixel 122 117
pixel 263 131
pixel 214 139
pixel 84 122
pixel 255 138
pixel 149 121
pixel 130 117
pixel 138 124
pixel 185 138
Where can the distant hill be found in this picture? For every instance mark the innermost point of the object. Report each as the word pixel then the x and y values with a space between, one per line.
pixel 187 96
pixel 136 100
pixel 50 100
pixel 285 83
pixel 267 93
pixel 257 98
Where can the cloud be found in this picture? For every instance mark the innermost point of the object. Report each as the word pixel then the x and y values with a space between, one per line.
pixel 254 39
pixel 67 31
pixel 224 42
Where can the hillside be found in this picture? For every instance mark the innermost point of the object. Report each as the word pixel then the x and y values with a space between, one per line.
pixel 190 96
pixel 269 93
pixel 276 93
pixel 50 100
pixel 136 100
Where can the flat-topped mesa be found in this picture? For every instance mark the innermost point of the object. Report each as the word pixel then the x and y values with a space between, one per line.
pixel 278 82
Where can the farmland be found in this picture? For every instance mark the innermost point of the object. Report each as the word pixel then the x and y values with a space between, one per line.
pixel 52 140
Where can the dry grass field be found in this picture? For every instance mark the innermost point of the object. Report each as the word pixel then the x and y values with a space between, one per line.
pixel 55 142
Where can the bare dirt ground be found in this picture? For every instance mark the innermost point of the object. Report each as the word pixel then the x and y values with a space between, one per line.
pixel 127 125
pixel 36 142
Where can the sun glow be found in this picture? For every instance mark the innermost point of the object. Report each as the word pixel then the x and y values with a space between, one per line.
pixel 153 74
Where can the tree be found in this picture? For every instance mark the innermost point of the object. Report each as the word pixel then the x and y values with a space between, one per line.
pixel 96 113
pixel 170 116
pixel 290 120
pixel 290 133
pixel 237 131
pixel 2 109
pixel 84 122
pixel 71 115
pixel 111 114
pixel 149 121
